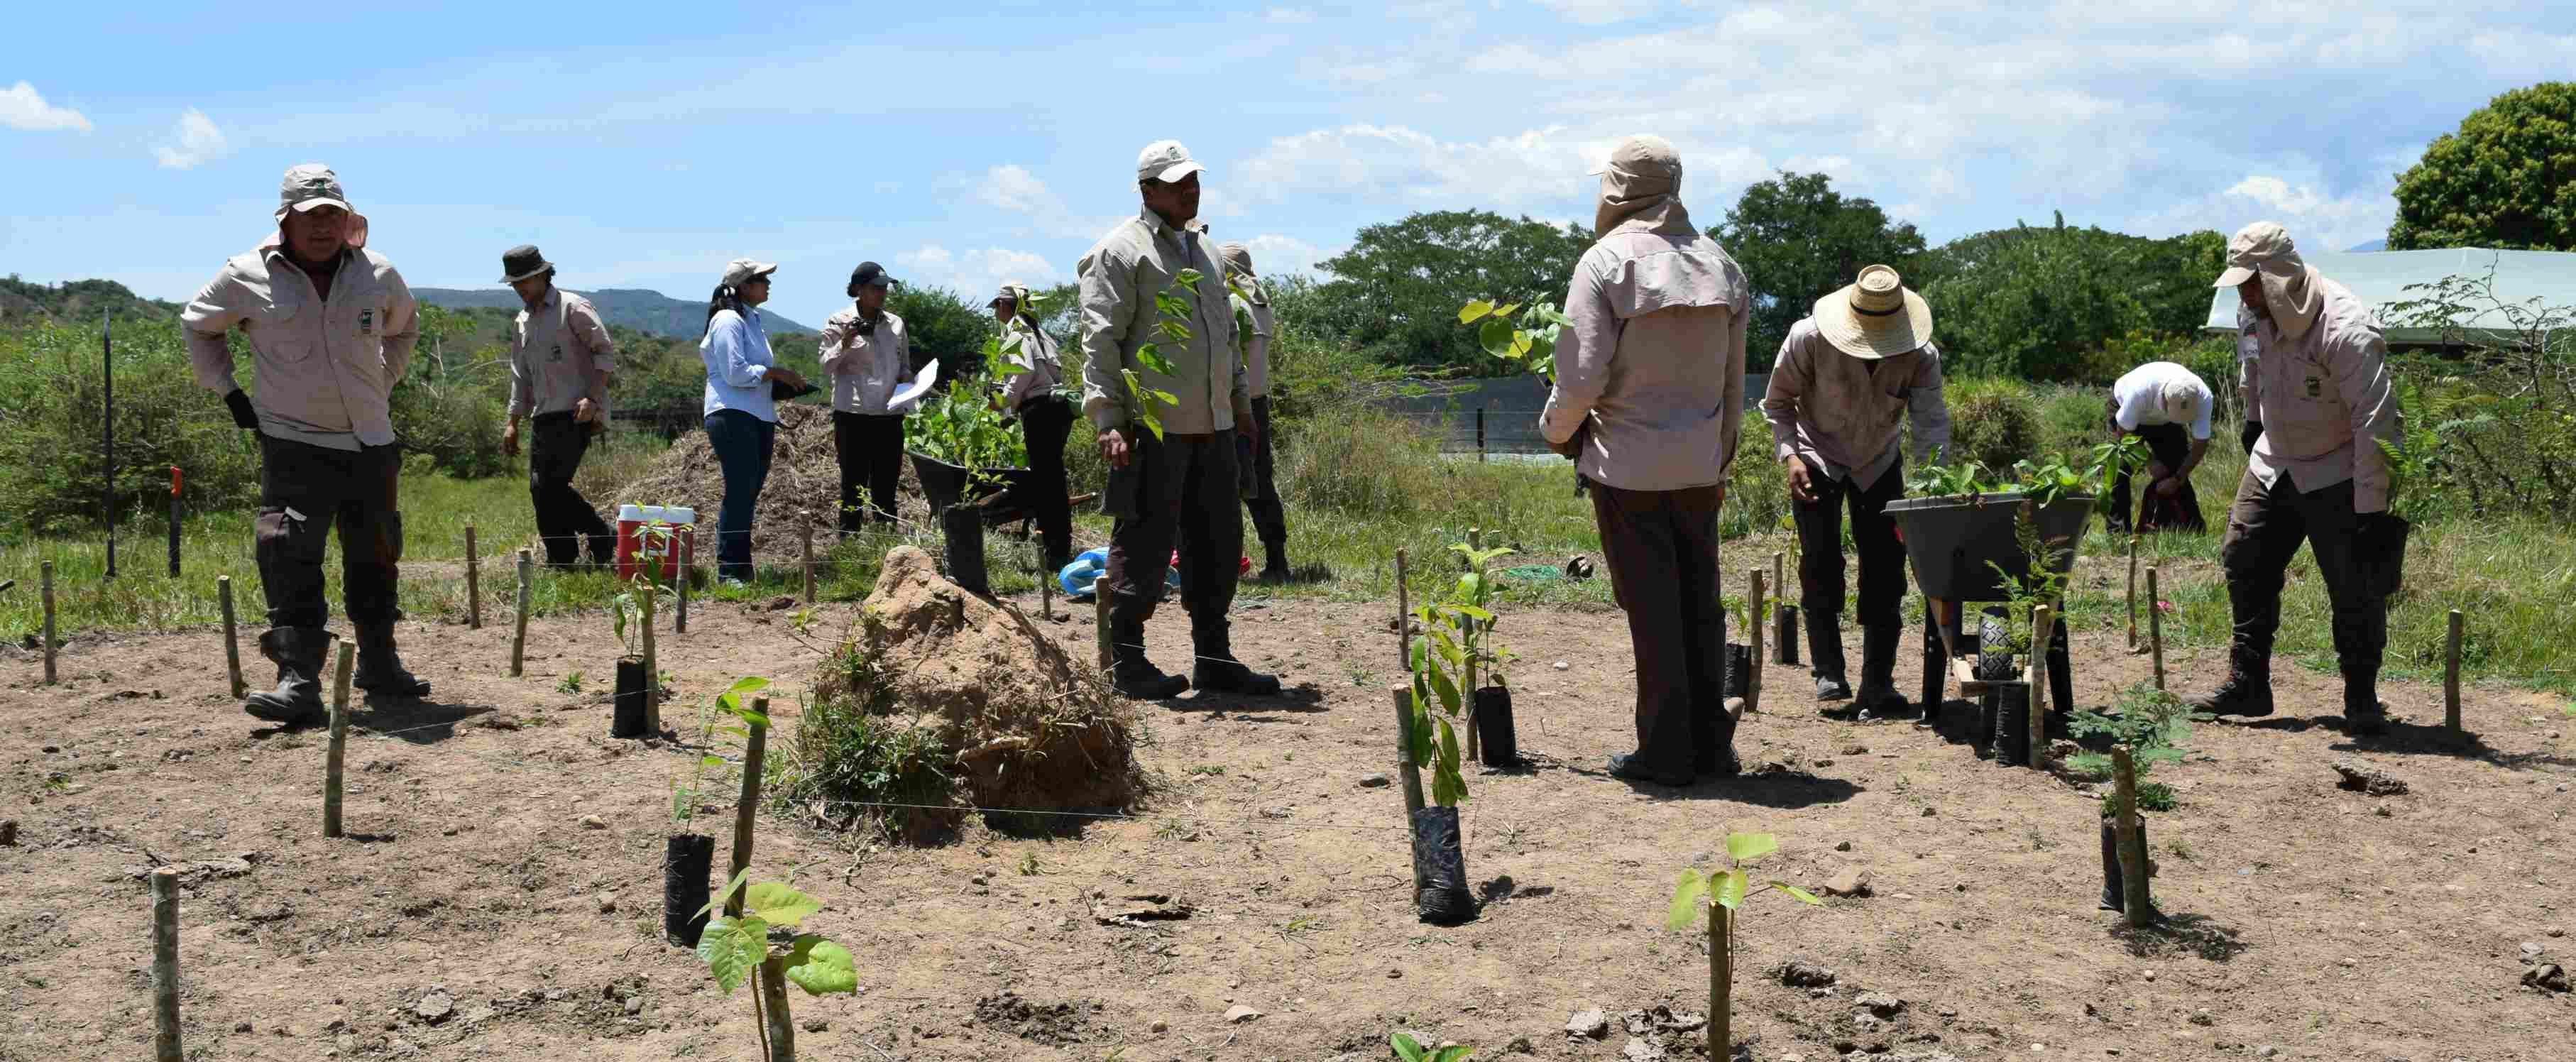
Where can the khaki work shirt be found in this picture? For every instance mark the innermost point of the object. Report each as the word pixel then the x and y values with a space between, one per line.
pixel 1256 347
pixel 867 365
pixel 1654 361
pixel 2321 398
pixel 560 354
pixel 322 372
pixel 1836 410
pixel 1119 277
pixel 1033 351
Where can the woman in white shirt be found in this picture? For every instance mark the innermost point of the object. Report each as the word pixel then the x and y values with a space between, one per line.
pixel 867 352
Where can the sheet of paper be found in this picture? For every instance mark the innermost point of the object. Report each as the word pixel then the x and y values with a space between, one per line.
pixel 919 386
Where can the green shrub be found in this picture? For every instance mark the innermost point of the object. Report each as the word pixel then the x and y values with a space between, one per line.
pixel 1994 421
pixel 854 743
pixel 1757 491
pixel 52 398
pixel 2072 419
pixel 1359 461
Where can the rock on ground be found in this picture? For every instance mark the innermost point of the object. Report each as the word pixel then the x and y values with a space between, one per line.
pixel 2368 779
pixel 1590 1024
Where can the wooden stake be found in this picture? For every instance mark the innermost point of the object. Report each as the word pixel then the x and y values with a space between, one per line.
pixel 652 665
pixel 1411 771
pixel 2133 853
pixel 1780 612
pixel 1403 623
pixel 2451 675
pixel 473 583
pixel 1100 622
pixel 1721 981
pixel 2133 593
pixel 165 965
pixel 49 622
pixel 2043 625
pixel 519 639
pixel 809 556
pixel 1046 592
pixel 232 642
pixel 680 618
pixel 339 747
pixel 754 747
pixel 1753 619
pixel 773 998
pixel 2156 628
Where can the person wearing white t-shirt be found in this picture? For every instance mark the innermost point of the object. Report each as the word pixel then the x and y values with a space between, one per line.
pixel 2168 407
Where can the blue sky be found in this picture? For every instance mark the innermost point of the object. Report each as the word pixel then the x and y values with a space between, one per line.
pixel 964 144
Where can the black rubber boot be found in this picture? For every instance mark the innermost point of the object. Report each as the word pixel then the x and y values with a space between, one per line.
pixel 2363 714
pixel 297 701
pixel 1275 569
pixel 1825 651
pixel 1878 696
pixel 1130 671
pixel 380 668
pixel 1216 667
pixel 2247 691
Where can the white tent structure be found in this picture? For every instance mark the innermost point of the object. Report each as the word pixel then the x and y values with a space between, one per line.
pixel 2381 277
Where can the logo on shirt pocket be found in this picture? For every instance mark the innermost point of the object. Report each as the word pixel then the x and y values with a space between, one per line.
pixel 2316 387
pixel 366 322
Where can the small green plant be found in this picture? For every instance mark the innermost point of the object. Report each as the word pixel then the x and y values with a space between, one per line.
pixel 2151 724
pixel 1410 1050
pixel 2041 582
pixel 2044 481
pixel 1456 643
pixel 1739 609
pixel 737 947
pixel 1721 893
pixel 1206 769
pixel 1531 345
pixel 684 795
pixel 569 683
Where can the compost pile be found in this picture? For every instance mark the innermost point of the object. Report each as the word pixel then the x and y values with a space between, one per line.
pixel 804 474
pixel 1003 713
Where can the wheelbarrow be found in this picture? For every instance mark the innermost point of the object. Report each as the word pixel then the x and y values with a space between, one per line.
pixel 1962 548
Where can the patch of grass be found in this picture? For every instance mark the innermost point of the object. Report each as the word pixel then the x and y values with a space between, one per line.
pixel 1206 768
pixel 570 683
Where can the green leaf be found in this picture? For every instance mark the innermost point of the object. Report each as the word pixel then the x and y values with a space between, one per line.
pixel 1803 895
pixel 781 903
pixel 754 718
pixel 1405 1047
pixel 749 684
pixel 821 967
pixel 727 892
pixel 730 948
pixel 1506 311
pixel 1687 893
pixel 1469 313
pixel 1495 335
pixel 712 761
pixel 1151 357
pixel 1747 847
pixel 1447 689
pixel 1728 889
pixel 1456 1053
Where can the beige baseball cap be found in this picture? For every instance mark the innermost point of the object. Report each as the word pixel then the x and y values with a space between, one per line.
pixel 1165 160
pixel 743 271
pixel 310 186
pixel 1643 155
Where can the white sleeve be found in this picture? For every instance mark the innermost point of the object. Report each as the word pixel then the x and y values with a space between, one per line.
pixel 2136 396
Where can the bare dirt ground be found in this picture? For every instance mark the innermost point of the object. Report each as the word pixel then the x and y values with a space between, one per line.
pixel 474 914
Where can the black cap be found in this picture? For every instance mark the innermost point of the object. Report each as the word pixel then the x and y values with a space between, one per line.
pixel 521 262
pixel 871 273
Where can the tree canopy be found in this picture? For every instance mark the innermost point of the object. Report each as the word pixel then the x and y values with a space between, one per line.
pixel 2506 179
pixel 1396 292
pixel 1798 239
pixel 2033 302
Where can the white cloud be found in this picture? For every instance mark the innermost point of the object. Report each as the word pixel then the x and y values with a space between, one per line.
pixel 1372 161
pixel 1012 189
pixel 1600 12
pixel 198 141
pixel 1291 16
pixel 975 273
pixel 2318 219
pixel 1274 255
pixel 21 107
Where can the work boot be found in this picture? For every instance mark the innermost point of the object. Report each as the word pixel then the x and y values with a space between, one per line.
pixel 297 700
pixel 1130 672
pixel 2363 713
pixel 380 668
pixel 1716 758
pixel 1628 765
pixel 1825 653
pixel 1217 669
pixel 1878 696
pixel 1276 569
pixel 2247 691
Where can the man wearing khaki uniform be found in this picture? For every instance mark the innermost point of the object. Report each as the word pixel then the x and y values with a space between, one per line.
pixel 1648 398
pixel 560 358
pixel 330 326
pixel 1181 485
pixel 2314 367
pixel 1847 374
pixel 1268 516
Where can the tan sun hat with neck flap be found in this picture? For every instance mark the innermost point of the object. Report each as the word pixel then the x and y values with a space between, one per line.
pixel 2263 249
pixel 1874 317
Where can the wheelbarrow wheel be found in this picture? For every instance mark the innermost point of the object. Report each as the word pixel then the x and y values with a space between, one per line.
pixel 1994 649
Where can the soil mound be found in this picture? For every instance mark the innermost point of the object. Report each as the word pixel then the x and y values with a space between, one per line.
pixel 989 703
pixel 804 475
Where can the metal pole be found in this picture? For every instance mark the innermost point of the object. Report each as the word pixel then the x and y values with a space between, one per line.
pixel 2451 675
pixel 50 642
pixel 1480 433
pixel 107 434
pixel 232 642
pixel 2156 627
pixel 1753 635
pixel 174 521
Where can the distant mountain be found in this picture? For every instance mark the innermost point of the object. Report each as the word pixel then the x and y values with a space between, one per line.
pixel 2380 244
pixel 76 301
pixel 644 311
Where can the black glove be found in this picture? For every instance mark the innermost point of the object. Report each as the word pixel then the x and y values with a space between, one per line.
pixel 243 416
pixel 2253 430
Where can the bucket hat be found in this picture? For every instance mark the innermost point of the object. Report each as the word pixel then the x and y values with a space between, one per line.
pixel 521 262
pixel 1874 317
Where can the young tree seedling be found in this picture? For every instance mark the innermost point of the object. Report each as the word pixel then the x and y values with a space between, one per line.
pixel 1722 892
pixel 738 948
pixel 1411 1050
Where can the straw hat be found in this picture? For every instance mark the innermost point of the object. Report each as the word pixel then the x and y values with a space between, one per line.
pixel 1874 317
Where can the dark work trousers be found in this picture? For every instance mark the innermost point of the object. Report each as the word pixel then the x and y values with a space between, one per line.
pixel 2264 529
pixel 1183 490
pixel 1268 516
pixel 565 520
pixel 743 444
pixel 870 447
pixel 1661 546
pixel 1045 421
pixel 303 490
pixel 1873 533
pixel 2170 445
